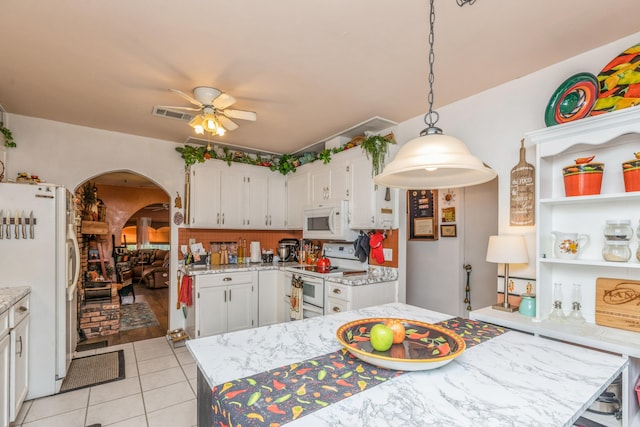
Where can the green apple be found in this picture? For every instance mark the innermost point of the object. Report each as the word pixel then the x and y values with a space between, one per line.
pixel 381 337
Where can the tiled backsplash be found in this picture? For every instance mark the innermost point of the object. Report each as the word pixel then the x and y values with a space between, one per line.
pixel 268 239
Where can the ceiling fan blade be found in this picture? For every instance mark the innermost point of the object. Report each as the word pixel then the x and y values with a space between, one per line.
pixel 223 101
pixel 241 114
pixel 187 97
pixel 173 107
pixel 227 123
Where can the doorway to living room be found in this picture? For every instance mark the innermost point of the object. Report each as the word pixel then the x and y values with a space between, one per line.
pixel 135 253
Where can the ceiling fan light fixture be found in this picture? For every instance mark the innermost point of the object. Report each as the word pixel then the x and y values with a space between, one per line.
pixel 220 131
pixel 196 124
pixel 434 160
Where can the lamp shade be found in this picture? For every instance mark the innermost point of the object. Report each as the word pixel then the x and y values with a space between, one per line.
pixel 507 249
pixel 434 161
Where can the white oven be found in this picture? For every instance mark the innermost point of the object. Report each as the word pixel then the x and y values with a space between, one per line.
pixel 328 221
pixel 312 295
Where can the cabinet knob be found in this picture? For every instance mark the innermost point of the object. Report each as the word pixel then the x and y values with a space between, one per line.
pixel 227 279
pixel 336 309
pixel 22 309
pixel 337 291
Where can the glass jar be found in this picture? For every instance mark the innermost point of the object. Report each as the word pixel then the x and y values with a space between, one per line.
pixel 616 251
pixel 618 229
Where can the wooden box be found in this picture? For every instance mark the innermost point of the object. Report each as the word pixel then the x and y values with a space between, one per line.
pixel 618 303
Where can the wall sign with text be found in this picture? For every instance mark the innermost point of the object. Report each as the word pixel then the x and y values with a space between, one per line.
pixel 423 214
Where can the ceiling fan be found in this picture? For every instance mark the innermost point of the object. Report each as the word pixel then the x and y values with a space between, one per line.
pixel 212 105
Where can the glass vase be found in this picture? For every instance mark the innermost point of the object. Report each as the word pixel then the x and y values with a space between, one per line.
pixel 557 315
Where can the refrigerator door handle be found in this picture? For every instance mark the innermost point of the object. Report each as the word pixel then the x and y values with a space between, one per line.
pixel 71 236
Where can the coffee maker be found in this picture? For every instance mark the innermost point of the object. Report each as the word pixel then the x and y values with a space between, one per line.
pixel 288 249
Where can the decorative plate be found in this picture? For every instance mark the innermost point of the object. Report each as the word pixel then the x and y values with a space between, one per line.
pixel 178 218
pixel 573 99
pixel 619 82
pixel 426 346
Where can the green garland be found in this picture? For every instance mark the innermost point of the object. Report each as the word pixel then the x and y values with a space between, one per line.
pixel 286 163
pixel 8 136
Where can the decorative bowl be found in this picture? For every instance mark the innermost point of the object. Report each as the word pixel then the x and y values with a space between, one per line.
pixel 426 346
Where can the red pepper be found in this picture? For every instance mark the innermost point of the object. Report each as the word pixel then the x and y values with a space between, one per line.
pixel 233 394
pixel 274 408
pixel 303 371
pixel 358 338
pixel 444 349
pixel 416 336
pixel 278 385
pixel 338 364
pixel 344 383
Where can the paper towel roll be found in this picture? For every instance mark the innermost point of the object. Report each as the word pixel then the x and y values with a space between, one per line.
pixel 256 254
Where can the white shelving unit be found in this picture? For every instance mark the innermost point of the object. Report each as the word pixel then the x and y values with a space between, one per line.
pixel 613 138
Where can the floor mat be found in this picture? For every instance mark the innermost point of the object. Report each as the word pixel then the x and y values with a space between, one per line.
pixel 136 315
pixel 92 345
pixel 93 370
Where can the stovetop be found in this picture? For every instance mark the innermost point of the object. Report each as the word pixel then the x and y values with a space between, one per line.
pixel 313 270
pixel 342 258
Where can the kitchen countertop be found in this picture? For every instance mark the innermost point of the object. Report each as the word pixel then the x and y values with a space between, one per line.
pixel 513 379
pixel 374 275
pixel 9 296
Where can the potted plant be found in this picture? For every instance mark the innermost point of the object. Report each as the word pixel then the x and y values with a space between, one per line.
pixel 88 199
pixel 376 148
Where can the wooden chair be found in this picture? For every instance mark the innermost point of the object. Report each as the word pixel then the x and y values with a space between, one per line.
pixel 126 280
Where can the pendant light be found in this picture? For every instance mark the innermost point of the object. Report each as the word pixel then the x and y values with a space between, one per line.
pixel 434 160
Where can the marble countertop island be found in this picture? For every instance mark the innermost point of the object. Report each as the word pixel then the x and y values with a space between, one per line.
pixel 512 379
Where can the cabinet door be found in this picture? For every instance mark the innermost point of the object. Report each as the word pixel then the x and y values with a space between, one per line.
pixel 211 310
pixel 340 174
pixel 232 198
pixel 19 366
pixel 320 180
pixel 361 206
pixel 257 188
pixel 268 297
pixel 205 196
pixel 240 307
pixel 277 201
pixel 4 380
pixel 297 198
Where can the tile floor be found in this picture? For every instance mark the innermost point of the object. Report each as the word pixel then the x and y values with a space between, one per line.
pixel 159 391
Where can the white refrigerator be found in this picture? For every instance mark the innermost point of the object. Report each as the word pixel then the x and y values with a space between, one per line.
pixel 42 252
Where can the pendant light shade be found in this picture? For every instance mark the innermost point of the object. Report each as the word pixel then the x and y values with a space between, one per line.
pixel 434 161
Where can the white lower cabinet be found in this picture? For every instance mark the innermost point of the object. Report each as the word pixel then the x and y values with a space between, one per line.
pixel 340 297
pixel 222 303
pixel 5 368
pixel 270 297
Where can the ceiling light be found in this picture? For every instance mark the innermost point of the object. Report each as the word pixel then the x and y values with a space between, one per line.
pixel 196 124
pixel 434 160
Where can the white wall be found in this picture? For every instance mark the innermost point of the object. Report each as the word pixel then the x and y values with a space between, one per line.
pixel 492 124
pixel 69 155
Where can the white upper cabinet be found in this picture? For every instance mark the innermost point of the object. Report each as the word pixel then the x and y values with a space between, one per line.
pixel 298 196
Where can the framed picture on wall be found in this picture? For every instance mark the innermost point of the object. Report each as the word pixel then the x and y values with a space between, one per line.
pixel 449 230
pixel 423 214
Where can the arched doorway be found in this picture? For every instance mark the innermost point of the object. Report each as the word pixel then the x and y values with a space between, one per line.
pixel 135 263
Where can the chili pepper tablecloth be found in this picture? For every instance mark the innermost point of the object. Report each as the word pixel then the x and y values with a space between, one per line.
pixel 278 396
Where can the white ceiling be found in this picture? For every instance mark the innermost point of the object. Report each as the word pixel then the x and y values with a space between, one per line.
pixel 308 68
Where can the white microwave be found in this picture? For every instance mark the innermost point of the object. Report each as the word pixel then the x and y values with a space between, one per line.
pixel 328 221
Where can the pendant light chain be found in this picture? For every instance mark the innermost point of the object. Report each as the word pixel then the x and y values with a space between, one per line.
pixel 431 118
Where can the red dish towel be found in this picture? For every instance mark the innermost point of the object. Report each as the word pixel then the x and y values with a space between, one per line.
pixel 186 291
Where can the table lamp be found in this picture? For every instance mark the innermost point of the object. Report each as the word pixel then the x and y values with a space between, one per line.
pixel 507 249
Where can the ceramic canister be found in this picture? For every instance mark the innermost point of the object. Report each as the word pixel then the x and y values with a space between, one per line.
pixel 631 174
pixel 528 305
pixel 583 179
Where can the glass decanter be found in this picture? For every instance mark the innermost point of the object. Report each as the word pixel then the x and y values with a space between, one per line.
pixel 576 313
pixel 557 315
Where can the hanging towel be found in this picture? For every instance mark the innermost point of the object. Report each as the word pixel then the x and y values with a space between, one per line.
pixel 186 291
pixel 295 300
pixel 375 242
pixel 358 245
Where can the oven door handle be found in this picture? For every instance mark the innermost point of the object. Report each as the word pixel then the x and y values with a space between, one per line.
pixel 312 308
